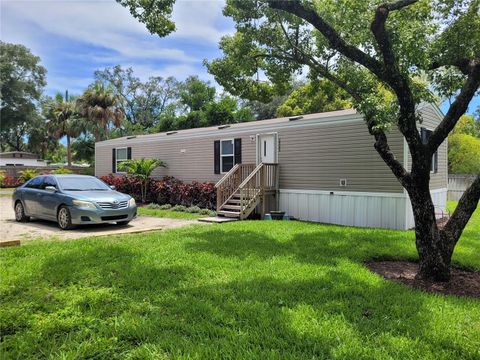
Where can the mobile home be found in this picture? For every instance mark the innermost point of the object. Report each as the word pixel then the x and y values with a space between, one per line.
pixel 318 167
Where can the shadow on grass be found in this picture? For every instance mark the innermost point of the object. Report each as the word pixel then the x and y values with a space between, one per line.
pixel 325 246
pixel 115 299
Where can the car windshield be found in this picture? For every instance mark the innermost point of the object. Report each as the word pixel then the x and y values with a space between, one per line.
pixel 82 184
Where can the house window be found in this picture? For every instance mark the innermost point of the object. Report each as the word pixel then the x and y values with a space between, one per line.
pixel 121 156
pixel 425 134
pixel 227 155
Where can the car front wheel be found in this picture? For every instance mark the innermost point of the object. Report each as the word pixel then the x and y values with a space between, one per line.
pixel 64 218
pixel 20 213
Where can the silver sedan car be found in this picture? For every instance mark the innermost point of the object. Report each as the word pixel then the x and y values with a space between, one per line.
pixel 72 200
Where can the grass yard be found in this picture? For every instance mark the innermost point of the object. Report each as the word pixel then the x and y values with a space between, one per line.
pixel 169 214
pixel 264 290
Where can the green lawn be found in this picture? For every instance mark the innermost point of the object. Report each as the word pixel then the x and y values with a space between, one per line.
pixel 169 214
pixel 248 290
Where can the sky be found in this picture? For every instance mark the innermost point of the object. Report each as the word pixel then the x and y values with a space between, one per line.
pixel 74 38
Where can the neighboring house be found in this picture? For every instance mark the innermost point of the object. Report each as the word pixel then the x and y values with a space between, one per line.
pixel 20 158
pixel 327 169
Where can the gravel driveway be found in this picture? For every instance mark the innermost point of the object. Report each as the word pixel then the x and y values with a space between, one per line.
pixel 11 230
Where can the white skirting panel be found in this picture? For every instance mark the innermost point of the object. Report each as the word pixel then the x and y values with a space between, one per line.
pixel 380 210
pixel 439 198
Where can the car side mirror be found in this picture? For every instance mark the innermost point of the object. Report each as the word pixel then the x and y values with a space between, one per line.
pixel 50 188
pixel 112 187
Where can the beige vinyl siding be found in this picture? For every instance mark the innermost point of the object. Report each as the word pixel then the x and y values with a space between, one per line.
pixel 431 119
pixel 317 157
pixel 187 160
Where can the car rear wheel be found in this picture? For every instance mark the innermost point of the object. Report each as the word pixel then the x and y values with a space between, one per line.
pixel 20 213
pixel 122 223
pixel 64 218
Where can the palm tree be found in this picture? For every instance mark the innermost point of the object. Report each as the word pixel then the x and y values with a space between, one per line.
pixel 141 169
pixel 101 109
pixel 64 121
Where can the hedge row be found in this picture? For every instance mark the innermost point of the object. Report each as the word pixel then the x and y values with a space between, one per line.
pixel 167 191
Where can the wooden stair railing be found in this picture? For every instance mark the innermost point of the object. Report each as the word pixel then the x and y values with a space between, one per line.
pixel 253 189
pixel 229 183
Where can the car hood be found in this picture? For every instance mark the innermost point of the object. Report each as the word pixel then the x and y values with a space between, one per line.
pixel 102 196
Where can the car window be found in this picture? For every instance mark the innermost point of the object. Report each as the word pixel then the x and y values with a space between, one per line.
pixel 35 183
pixel 49 181
pixel 82 183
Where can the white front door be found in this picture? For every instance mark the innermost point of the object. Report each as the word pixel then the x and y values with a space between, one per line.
pixel 267 148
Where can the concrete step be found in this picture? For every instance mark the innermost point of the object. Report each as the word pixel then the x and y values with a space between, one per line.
pixel 232 214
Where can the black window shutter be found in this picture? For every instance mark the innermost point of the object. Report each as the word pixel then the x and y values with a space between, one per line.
pixel 114 161
pixel 216 156
pixel 423 135
pixel 435 156
pixel 238 150
pixel 129 153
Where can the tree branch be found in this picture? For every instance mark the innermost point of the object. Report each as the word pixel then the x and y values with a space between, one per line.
pixel 458 107
pixel 382 147
pixel 462 214
pixel 392 75
pixel 295 7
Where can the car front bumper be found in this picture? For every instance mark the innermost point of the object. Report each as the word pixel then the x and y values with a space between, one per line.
pixel 99 216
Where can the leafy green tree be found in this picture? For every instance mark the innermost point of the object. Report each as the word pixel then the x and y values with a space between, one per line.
pixel 63 120
pixel 84 149
pixel 22 79
pixel 378 53
pixel 314 97
pixel 143 103
pixel 463 154
pixel 142 169
pixel 40 141
pixel 464 147
pixel 195 93
pixel 466 125
pixel 101 109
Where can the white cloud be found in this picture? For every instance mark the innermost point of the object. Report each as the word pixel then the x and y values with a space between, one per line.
pixel 100 23
pixel 200 19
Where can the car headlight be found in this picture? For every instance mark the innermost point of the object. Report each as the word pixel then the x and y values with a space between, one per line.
pixel 132 202
pixel 84 204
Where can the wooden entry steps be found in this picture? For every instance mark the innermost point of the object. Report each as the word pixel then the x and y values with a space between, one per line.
pixel 245 187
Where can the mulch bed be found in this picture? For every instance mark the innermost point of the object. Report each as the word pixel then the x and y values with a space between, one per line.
pixel 462 283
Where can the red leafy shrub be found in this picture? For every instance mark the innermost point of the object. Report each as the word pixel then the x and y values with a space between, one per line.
pixel 167 191
pixel 10 181
pixel 130 185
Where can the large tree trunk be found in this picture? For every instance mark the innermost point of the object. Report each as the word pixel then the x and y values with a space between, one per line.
pixel 434 256
pixel 435 246
pixel 69 151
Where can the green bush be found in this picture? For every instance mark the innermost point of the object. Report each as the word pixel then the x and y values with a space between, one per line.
pixel 165 207
pixel 180 208
pixel 463 154
pixel 153 206
pixel 28 174
pixel 62 170
pixel 2 177
pixel 193 209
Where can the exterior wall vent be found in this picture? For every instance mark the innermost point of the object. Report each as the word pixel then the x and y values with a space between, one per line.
pixel 223 127
pixel 131 137
pixel 295 118
pixel 343 182
pixel 171 132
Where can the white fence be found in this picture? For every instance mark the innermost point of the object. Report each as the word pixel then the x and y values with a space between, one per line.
pixel 457 184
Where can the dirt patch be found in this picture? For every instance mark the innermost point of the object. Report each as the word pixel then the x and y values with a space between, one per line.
pixel 462 283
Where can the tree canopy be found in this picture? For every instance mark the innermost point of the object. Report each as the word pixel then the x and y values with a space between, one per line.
pixel 22 79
